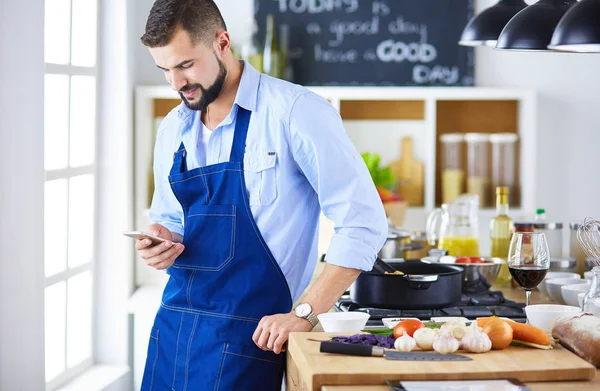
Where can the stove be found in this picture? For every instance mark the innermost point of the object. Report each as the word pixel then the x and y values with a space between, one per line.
pixel 471 306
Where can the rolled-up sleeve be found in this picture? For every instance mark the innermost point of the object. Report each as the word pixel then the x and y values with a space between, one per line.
pixel 337 172
pixel 165 209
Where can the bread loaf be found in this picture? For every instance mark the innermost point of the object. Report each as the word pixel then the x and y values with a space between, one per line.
pixel 580 334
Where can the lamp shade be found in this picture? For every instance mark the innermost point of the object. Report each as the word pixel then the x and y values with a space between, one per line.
pixel 579 29
pixel 532 28
pixel 484 29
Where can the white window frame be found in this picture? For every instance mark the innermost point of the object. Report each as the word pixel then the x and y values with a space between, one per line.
pixel 68 173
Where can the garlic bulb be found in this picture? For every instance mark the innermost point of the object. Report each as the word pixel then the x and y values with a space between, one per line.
pixel 445 343
pixel 456 328
pixel 405 343
pixel 476 341
pixel 424 338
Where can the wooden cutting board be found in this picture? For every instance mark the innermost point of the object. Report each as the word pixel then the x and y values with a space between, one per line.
pixel 311 369
pixel 409 174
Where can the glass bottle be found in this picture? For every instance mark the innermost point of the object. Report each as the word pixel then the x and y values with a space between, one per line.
pixel 591 300
pixel 271 58
pixel 501 230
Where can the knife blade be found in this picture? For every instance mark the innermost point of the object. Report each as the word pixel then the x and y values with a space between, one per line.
pixel 377 351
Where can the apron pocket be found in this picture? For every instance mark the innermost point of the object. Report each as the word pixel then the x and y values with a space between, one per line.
pixel 261 177
pixel 209 238
pixel 151 361
pixel 249 368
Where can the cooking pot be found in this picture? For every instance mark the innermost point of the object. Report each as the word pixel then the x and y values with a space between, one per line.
pixel 422 286
pixel 398 245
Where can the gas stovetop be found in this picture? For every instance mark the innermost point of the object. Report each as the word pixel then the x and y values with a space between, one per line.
pixel 491 303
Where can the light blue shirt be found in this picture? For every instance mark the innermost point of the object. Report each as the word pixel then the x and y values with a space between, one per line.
pixel 298 161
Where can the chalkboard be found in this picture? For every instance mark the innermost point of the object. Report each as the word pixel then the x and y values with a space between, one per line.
pixel 374 42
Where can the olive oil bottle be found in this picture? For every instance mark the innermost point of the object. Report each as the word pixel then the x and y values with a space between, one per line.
pixel 271 56
pixel 501 230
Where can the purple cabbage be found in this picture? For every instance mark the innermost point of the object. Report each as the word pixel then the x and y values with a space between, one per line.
pixel 385 341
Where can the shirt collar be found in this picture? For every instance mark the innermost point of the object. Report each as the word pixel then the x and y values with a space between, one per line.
pixel 246 93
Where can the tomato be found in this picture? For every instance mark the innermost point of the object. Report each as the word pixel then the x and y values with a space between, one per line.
pixel 408 326
pixel 468 260
pixel 463 260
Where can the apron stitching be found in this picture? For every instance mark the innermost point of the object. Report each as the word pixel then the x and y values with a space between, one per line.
pixel 155 361
pixel 176 353
pixel 223 352
pixel 187 360
pixel 214 314
pixel 206 214
pixel 210 173
pixel 252 358
pixel 205 185
pixel 253 224
pixel 189 289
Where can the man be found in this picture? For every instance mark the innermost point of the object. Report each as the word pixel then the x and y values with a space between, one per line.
pixel 242 169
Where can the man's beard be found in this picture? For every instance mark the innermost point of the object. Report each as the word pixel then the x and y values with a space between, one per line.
pixel 208 95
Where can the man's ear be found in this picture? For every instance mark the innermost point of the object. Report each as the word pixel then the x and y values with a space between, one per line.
pixel 222 43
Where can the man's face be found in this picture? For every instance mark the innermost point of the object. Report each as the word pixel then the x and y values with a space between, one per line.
pixel 195 72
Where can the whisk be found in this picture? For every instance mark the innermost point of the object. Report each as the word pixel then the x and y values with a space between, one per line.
pixel 588 236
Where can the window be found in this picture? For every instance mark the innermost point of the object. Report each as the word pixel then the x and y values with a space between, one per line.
pixel 69 194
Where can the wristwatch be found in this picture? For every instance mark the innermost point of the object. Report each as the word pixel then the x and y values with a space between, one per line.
pixel 305 311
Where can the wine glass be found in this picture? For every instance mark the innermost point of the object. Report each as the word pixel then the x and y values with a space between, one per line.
pixel 528 260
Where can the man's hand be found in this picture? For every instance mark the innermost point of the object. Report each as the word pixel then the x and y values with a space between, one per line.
pixel 273 331
pixel 160 256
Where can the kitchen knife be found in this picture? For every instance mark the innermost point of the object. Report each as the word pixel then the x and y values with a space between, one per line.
pixel 367 350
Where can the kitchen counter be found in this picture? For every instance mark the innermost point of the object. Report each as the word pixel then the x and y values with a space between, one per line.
pixel 308 371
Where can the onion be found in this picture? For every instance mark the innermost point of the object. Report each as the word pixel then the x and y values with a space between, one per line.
pixel 500 333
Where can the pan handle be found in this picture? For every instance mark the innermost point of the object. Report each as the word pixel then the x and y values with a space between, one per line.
pixel 422 277
pixel 421 281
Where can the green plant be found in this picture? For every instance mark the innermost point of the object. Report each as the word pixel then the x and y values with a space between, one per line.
pixel 382 176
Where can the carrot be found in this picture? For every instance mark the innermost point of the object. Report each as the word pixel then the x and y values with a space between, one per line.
pixel 522 331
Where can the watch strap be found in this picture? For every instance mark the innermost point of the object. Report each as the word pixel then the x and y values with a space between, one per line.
pixel 312 318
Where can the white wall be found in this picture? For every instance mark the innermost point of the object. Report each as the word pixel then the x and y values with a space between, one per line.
pixel 21 195
pixel 114 252
pixel 569 124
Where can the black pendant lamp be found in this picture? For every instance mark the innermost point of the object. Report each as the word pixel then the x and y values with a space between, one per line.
pixel 532 28
pixel 484 29
pixel 579 29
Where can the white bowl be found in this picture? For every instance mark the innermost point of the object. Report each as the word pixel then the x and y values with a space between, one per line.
pixel 343 322
pixel 544 315
pixel 569 292
pixel 551 275
pixel 554 287
pixel 588 275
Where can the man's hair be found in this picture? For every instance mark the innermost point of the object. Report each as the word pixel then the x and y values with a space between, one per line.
pixel 200 18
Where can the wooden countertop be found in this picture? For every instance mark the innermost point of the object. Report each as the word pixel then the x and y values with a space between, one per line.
pixel 308 371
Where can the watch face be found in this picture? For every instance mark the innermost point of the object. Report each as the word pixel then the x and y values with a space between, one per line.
pixel 302 310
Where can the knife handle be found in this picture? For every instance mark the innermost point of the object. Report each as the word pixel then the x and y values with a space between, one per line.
pixel 350 349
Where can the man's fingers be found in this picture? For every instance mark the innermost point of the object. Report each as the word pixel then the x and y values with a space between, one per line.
pixel 142 244
pixel 272 337
pixel 257 333
pixel 165 255
pixel 278 345
pixel 169 261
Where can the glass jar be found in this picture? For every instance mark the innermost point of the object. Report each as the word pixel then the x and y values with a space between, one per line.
pixel 453 171
pixel 504 159
pixel 591 300
pixel 554 237
pixel 478 167
pixel 575 249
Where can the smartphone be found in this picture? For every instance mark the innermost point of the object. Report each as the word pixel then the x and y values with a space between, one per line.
pixel 143 235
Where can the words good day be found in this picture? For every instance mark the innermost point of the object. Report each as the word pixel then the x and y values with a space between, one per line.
pixel 390 50
pixel 317 6
pixel 438 74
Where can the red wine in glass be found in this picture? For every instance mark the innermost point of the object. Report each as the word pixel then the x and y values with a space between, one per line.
pixel 528 276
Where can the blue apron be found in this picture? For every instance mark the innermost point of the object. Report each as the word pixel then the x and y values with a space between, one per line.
pixel 219 288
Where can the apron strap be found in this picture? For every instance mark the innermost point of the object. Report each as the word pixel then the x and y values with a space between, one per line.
pixel 179 166
pixel 239 137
